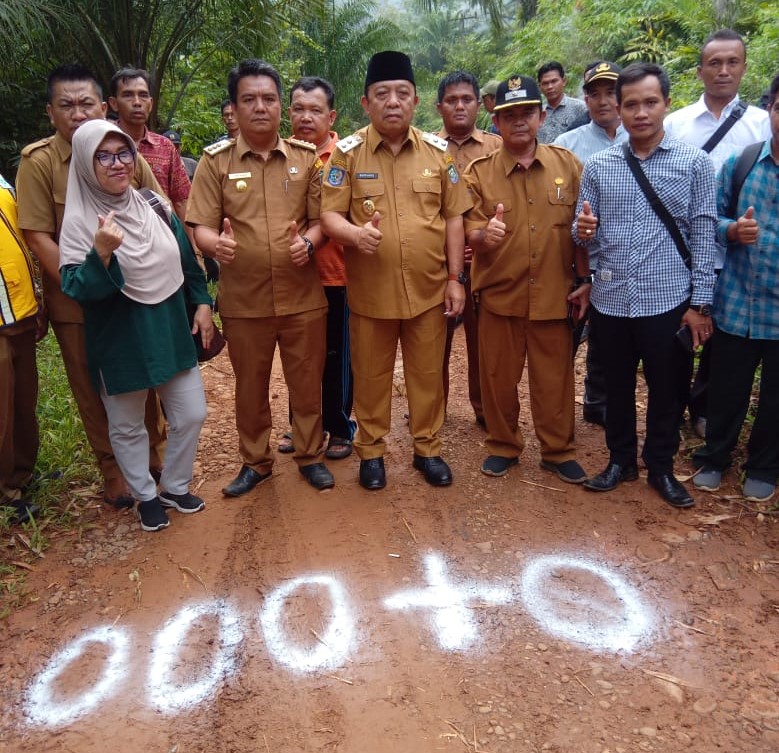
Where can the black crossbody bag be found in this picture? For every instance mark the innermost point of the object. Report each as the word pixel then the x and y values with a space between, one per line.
pixel 657 205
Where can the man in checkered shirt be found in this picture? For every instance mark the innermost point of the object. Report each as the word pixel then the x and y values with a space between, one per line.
pixel 643 291
pixel 746 312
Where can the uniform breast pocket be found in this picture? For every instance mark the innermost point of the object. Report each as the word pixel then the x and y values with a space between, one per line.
pixel 428 196
pixel 561 206
pixel 367 198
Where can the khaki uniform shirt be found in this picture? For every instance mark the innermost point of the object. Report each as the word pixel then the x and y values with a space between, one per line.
pixel 478 144
pixel 40 192
pixel 261 199
pixel 415 192
pixel 530 273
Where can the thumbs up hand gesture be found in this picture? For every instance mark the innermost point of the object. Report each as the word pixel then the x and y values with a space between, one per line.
pixel 496 229
pixel 226 244
pixel 298 248
pixel 745 231
pixel 108 237
pixel 369 236
pixel 586 223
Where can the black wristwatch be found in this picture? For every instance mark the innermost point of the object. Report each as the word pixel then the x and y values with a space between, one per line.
pixel 702 308
pixel 309 245
pixel 462 278
pixel 583 280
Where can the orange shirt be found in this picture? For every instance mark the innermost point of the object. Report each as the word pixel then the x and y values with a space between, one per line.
pixel 330 258
pixel 261 198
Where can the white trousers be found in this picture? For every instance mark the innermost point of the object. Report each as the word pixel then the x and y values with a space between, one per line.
pixel 184 404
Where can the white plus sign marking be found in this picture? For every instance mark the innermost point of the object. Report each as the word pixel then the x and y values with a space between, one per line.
pixel 452 619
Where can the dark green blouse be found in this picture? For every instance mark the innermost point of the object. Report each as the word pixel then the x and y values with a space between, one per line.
pixel 135 346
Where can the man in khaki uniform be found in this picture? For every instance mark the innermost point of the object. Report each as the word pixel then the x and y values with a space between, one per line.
pixel 458 104
pixel 523 274
pixel 74 97
pixel 393 197
pixel 255 208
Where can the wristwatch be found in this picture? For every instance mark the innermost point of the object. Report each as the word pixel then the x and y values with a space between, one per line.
pixel 461 277
pixel 583 280
pixel 702 308
pixel 309 245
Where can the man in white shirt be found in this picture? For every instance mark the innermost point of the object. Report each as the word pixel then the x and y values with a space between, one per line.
pixel 722 65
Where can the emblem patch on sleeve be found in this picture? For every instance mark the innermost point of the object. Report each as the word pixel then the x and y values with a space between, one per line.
pixel 335 176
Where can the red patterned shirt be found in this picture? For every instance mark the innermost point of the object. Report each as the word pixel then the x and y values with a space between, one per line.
pixel 165 162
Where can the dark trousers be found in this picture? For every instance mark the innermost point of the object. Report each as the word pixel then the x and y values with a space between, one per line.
pixel 337 394
pixel 594 376
pixel 470 327
pixel 623 343
pixel 734 361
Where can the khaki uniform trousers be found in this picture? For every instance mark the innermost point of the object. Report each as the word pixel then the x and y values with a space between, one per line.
pixel 18 398
pixel 374 345
pixel 251 344
pixel 70 337
pixel 505 342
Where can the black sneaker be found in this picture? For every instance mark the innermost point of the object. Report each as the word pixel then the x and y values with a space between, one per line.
pixel 182 502
pixel 151 515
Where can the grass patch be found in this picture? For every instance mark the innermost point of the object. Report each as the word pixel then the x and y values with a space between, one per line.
pixel 66 472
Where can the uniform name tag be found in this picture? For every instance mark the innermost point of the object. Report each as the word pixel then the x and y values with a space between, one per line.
pixel 367 176
pixel 238 176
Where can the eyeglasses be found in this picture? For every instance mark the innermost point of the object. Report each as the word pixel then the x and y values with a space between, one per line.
pixel 108 159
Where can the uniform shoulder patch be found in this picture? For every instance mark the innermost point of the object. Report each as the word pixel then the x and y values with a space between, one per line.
pixel 218 146
pixel 347 144
pixel 304 144
pixel 435 141
pixel 30 148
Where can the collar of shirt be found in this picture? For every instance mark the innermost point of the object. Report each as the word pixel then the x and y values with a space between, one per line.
pixel 374 139
pixel 665 144
pixel 324 155
pixel 563 102
pixel 699 108
pixel 155 140
pixel 62 147
pixel 475 135
pixel 243 148
pixel 509 161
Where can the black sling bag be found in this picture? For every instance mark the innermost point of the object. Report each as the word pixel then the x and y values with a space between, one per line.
pixel 657 205
pixel 730 121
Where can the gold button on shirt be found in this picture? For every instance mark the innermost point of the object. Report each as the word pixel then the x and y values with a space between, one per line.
pixel 261 199
pixel 530 274
pixel 415 192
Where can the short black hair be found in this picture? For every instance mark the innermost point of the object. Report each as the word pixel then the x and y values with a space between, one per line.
pixel 552 65
pixel 123 75
pixel 71 72
pixel 224 104
pixel 726 35
pixel 457 77
pixel 773 92
pixel 309 83
pixel 251 67
pixel 636 72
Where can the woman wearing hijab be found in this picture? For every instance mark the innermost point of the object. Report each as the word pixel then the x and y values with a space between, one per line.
pixel 133 275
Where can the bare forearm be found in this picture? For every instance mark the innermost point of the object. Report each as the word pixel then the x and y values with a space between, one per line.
pixel 45 250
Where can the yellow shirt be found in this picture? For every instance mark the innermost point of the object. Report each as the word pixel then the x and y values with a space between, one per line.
pixel 415 193
pixel 17 293
pixel 40 192
pixel 261 199
pixel 530 274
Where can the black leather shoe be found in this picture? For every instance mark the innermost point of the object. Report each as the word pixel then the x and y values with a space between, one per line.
pixel 245 481
pixel 372 475
pixel 593 415
pixel 670 489
pixel 318 476
pixel 612 477
pixel 436 471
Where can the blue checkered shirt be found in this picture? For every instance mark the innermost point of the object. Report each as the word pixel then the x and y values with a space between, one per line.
pixel 746 299
pixel 640 271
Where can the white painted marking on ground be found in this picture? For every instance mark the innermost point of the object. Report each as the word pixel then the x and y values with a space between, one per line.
pixel 333 645
pixel 166 696
pixel 453 622
pixel 580 616
pixel 41 706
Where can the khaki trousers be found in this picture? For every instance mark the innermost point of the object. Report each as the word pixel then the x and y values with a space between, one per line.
pixel 70 337
pixel 505 343
pixel 18 399
pixel 374 345
pixel 251 344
